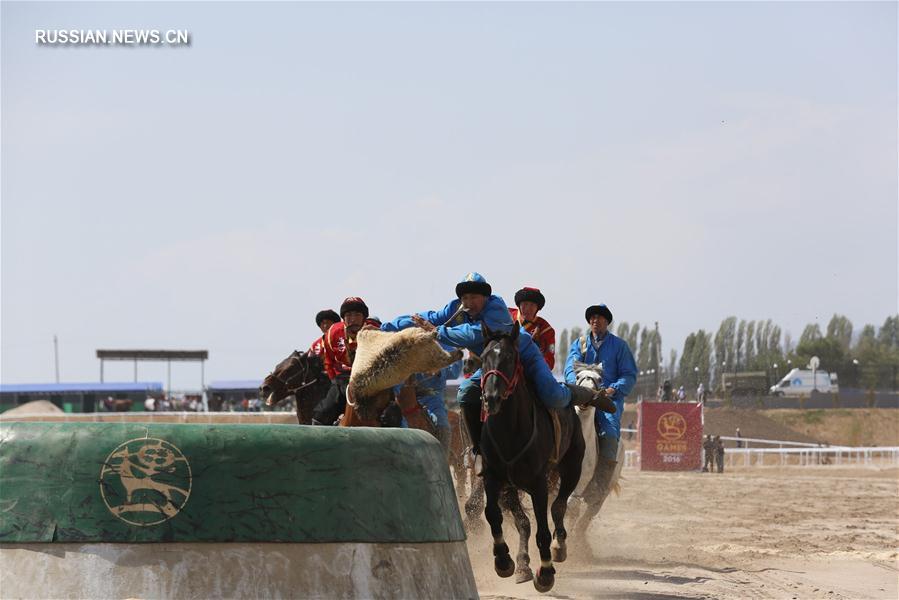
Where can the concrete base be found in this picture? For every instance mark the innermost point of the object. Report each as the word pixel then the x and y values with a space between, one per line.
pixel 252 570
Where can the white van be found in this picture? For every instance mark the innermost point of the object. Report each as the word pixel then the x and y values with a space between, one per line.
pixel 801 382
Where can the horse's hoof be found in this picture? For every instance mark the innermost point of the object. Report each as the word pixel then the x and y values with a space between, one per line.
pixel 559 553
pixel 545 579
pixel 523 575
pixel 504 565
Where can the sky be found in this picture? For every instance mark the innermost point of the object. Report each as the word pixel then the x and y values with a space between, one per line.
pixel 681 162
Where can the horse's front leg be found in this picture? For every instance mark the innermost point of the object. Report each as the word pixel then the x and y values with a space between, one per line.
pixel 511 501
pixel 569 476
pixel 475 503
pixel 546 574
pixel 502 562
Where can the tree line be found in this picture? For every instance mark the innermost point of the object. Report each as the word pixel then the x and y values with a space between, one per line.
pixel 869 360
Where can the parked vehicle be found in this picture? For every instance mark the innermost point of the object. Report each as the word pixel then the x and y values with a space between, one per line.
pixel 744 383
pixel 801 382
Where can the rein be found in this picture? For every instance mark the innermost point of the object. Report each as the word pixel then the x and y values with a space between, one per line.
pixel 511 385
pixel 509 463
pixel 286 382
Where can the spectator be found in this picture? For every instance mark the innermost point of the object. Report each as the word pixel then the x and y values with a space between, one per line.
pixel 681 394
pixel 719 453
pixel 700 392
pixel 739 439
pixel 150 404
pixel 708 450
pixel 666 391
pixel 630 434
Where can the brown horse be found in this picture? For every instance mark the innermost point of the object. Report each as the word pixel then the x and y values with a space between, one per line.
pixel 300 375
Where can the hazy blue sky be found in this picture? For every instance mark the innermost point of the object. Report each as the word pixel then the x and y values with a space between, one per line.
pixel 681 162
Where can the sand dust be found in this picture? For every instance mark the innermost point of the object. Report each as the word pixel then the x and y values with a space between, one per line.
pixel 815 532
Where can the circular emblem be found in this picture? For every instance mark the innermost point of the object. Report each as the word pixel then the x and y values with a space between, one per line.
pixel 145 481
pixel 672 426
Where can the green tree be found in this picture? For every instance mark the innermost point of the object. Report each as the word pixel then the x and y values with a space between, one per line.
pixel 702 356
pixel 840 329
pixel 632 339
pixel 686 359
pixel 562 349
pixel 749 346
pixel 655 348
pixel 643 358
pixel 869 353
pixel 576 332
pixel 724 346
pixel 828 350
pixel 811 333
pixel 739 356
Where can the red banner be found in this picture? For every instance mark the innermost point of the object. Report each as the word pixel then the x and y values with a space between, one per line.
pixel 670 436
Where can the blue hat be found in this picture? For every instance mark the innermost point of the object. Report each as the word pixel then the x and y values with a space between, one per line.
pixel 473 283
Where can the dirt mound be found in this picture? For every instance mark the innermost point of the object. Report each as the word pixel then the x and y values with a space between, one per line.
pixel 752 424
pixel 843 427
pixel 36 407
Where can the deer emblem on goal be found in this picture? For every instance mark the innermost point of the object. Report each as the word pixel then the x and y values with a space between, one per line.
pixel 145 481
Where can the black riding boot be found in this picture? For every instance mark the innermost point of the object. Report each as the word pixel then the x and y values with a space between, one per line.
pixel 586 397
pixel 471 414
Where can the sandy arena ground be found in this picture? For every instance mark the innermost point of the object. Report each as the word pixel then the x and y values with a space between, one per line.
pixel 815 532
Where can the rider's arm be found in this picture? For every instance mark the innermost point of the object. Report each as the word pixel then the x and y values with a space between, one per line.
pixel 437 317
pixel 627 371
pixel 466 335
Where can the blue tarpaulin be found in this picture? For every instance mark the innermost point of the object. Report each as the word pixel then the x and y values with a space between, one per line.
pixel 63 388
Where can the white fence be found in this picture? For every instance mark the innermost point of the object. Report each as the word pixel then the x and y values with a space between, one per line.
pixel 812 456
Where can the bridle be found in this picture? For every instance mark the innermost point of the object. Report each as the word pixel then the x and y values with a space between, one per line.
pixel 511 385
pixel 285 383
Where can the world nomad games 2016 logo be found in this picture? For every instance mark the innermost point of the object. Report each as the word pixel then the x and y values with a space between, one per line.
pixel 672 428
pixel 145 481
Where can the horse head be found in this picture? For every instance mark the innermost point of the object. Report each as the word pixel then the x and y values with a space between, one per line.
pixel 588 375
pixel 292 374
pixel 501 367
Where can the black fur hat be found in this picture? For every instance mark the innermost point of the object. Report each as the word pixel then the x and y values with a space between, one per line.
pixel 326 314
pixel 598 309
pixel 530 294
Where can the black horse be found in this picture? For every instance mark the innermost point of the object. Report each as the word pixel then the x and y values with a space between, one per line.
pixel 517 446
pixel 301 375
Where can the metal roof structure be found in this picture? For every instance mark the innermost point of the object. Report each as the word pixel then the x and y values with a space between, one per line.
pixel 159 355
pixel 166 356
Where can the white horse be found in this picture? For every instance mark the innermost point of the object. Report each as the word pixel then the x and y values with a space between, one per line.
pixel 587 490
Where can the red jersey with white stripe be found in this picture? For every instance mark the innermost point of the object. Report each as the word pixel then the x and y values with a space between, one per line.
pixel 339 351
pixel 318 347
pixel 543 333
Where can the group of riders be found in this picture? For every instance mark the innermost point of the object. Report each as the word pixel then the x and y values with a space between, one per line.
pixel 461 325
